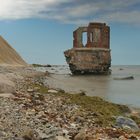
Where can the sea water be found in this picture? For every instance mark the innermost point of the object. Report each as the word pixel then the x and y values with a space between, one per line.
pixel 117 91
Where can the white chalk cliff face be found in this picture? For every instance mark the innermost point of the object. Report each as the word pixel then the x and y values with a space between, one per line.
pixel 8 56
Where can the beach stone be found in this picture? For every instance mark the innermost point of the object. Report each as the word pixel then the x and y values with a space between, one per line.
pixel 48 65
pixel 43 135
pixel 80 136
pixel 127 123
pixel 121 69
pixel 6 95
pixel 122 138
pixel 61 90
pixel 124 78
pixel 73 125
pixel 133 137
pixel 47 73
pixel 52 91
pixel 61 138
pixel 30 90
pixel 2 134
pixel 65 132
pixel 79 119
pixel 14 138
pixel 36 88
pixel 6 88
pixel 82 93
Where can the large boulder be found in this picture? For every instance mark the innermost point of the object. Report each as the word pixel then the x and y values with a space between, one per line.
pixel 126 123
pixel 6 85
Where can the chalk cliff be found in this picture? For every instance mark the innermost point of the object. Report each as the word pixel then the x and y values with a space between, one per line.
pixel 8 56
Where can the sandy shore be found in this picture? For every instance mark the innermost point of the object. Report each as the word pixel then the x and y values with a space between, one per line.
pixel 29 110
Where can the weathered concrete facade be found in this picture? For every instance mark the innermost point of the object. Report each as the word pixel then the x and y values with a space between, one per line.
pixel 94 57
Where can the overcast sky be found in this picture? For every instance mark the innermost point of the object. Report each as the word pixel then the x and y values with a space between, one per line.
pixel 40 30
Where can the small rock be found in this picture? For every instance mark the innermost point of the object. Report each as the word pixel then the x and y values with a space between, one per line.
pixel 61 138
pixel 2 134
pixel 124 78
pixel 73 125
pixel 52 91
pixel 121 69
pixel 47 73
pixel 65 132
pixel 122 138
pixel 42 135
pixel 79 119
pixel 6 95
pixel 80 136
pixel 29 135
pixel 82 93
pixel 61 90
pixel 133 138
pixel 18 139
pixel 30 90
pixel 48 65
pixel 36 88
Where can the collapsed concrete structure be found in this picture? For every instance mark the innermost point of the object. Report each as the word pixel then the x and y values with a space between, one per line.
pixel 94 56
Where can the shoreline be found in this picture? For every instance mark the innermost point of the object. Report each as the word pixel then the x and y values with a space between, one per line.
pixel 54 114
pixel 117 91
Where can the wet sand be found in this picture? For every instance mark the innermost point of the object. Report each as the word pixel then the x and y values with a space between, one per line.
pixel 117 91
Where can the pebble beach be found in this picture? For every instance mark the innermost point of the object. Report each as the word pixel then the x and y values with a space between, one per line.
pixel 30 110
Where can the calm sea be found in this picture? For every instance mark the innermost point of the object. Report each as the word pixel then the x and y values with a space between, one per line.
pixel 117 91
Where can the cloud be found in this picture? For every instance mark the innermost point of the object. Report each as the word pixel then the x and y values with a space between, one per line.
pixel 129 17
pixel 74 11
pixel 20 9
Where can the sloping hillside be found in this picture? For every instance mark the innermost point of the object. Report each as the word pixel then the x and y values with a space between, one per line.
pixel 8 55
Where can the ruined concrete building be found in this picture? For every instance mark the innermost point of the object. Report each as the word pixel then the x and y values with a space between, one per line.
pixel 94 56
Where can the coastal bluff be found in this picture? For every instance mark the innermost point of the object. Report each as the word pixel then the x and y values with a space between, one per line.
pixel 8 56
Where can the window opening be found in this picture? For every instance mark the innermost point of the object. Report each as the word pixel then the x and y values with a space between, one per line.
pixel 84 38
